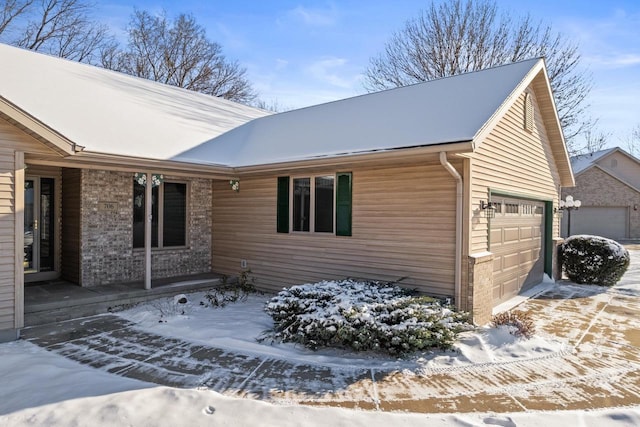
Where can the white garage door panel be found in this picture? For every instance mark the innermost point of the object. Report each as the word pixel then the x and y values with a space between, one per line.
pixel 517 244
pixel 608 222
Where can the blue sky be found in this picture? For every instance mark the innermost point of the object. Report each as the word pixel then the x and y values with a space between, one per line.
pixel 299 53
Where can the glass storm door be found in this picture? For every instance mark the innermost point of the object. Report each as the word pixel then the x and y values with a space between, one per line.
pixel 39 225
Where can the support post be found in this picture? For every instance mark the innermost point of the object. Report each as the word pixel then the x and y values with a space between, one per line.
pixel 147 230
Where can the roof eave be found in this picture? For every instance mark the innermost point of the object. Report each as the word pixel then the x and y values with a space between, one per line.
pixel 617 178
pixel 397 154
pixel 53 139
pixel 121 163
pixel 556 137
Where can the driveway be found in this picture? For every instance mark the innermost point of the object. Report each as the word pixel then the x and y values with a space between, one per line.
pixel 600 367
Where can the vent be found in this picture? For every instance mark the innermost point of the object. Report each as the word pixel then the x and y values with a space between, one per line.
pixel 528 112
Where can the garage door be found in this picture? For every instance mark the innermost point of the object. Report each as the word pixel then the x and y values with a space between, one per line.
pixel 516 234
pixel 606 221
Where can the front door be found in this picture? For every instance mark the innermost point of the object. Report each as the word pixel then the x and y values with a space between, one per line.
pixel 39 228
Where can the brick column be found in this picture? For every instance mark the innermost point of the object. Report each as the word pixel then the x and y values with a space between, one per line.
pixel 481 287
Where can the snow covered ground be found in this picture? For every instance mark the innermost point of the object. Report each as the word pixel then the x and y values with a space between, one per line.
pixel 41 388
pixel 54 391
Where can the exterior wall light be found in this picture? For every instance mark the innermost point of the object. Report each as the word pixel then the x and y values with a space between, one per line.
pixel 489 208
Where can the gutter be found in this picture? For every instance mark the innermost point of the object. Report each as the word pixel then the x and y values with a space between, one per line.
pixel 458 256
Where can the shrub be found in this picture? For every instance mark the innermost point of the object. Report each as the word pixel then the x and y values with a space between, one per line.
pixel 521 322
pixel 363 316
pixel 231 291
pixel 594 259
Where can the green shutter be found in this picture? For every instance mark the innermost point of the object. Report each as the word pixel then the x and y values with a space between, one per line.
pixel 343 204
pixel 283 204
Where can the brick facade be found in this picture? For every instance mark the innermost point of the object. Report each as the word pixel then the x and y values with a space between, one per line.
pixel 595 187
pixel 480 290
pixel 106 247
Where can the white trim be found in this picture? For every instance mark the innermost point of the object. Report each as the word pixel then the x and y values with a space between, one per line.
pixel 18 192
pixel 148 198
pixel 60 143
pixel 312 204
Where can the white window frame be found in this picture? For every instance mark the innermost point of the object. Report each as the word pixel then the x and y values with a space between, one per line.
pixel 312 204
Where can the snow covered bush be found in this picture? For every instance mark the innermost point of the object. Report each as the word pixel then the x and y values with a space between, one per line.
pixel 594 259
pixel 363 316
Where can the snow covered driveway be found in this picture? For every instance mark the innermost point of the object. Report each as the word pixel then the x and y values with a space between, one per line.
pixel 585 356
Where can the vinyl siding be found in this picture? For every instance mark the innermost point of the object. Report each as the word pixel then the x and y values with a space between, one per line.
pixel 12 139
pixel 511 160
pixel 7 238
pixel 403 225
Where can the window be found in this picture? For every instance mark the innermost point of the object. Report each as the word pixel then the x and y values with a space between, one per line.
pixel 169 215
pixel 319 204
pixel 313 201
pixel 301 204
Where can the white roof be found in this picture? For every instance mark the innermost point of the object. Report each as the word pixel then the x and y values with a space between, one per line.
pixel 442 111
pixel 110 112
pixel 583 161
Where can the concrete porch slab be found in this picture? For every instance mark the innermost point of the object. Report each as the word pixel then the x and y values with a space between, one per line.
pixel 59 300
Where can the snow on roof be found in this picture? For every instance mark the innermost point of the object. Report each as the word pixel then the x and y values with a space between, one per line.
pixel 446 110
pixel 583 161
pixel 110 112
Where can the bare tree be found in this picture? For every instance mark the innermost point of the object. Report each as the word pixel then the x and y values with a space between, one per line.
pixel 460 36
pixel 178 53
pixel 59 27
pixel 594 140
pixel 271 105
pixel 632 141
pixel 12 9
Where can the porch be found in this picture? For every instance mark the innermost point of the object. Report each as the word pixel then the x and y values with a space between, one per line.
pixel 56 300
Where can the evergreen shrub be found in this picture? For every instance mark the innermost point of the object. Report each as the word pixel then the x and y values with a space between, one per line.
pixel 594 260
pixel 363 316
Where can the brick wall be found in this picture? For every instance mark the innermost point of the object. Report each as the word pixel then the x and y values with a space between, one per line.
pixel 597 188
pixel 107 254
pixel 480 290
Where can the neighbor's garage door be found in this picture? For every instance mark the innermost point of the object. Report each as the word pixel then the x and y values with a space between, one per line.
pixel 517 232
pixel 604 221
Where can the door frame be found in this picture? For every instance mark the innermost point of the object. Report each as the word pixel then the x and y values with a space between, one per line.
pixel 37 275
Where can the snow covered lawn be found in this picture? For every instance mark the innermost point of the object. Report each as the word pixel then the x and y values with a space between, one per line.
pixel 583 356
pixel 236 327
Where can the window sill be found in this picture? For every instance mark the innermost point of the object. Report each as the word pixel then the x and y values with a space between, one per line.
pixel 167 249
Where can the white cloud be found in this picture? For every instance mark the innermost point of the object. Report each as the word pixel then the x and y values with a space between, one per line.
pixel 614 60
pixel 315 17
pixel 281 64
pixel 328 70
pixel 607 42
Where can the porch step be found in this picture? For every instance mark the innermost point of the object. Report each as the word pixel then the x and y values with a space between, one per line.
pixel 63 300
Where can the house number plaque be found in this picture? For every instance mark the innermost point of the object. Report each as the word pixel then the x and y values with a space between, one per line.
pixel 108 206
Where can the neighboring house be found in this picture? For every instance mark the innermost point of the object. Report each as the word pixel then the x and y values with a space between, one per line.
pixel 608 185
pixel 383 186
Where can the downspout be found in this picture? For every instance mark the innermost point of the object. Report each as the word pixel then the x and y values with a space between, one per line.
pixel 458 257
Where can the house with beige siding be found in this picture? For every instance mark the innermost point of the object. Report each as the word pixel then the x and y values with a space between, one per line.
pixel 106 178
pixel 608 185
